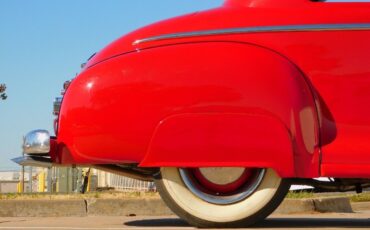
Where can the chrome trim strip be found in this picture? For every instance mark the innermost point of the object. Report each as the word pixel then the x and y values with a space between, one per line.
pixel 259 29
pixel 36 161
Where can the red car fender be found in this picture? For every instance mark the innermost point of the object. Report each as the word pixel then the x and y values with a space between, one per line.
pixel 247 140
pixel 280 129
pixel 114 112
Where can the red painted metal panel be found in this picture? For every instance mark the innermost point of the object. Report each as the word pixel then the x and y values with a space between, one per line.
pixel 110 112
pixel 193 140
pixel 112 109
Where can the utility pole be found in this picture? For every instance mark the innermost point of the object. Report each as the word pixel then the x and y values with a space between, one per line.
pixel 30 179
pixel 22 179
pixel 49 179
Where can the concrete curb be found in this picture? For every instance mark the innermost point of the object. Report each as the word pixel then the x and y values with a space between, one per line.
pixel 143 206
pixel 42 208
pixel 325 204
pixel 333 204
pixel 361 206
pixel 127 207
pixel 290 206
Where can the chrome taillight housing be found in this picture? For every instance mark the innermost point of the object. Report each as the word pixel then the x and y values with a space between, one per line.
pixel 65 86
pixel 58 100
pixel 56 105
pixel 56 109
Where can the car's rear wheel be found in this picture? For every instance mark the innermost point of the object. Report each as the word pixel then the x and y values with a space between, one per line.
pixel 221 196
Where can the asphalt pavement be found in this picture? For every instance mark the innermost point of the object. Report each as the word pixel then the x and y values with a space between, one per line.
pixel 358 220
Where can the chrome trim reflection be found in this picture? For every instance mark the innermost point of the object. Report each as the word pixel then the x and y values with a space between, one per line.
pixel 246 191
pixel 37 142
pixel 36 161
pixel 258 29
pixel 57 104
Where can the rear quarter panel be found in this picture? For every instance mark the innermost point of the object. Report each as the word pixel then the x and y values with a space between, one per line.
pixel 111 111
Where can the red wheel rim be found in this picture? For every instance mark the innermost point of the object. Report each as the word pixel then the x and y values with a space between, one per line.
pixel 222 188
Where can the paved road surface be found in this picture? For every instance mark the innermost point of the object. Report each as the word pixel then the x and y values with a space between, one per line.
pixel 359 220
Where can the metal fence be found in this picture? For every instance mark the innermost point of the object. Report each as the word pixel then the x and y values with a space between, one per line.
pixel 67 180
pixel 121 183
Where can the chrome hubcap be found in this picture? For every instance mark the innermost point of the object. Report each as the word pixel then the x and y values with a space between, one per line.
pixel 222 185
pixel 222 175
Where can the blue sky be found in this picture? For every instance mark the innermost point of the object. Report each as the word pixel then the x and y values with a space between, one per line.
pixel 43 43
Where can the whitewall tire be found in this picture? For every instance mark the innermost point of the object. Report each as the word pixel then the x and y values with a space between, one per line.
pixel 221 197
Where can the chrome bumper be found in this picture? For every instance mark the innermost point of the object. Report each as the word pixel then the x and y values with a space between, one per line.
pixel 35 161
pixel 36 149
pixel 36 142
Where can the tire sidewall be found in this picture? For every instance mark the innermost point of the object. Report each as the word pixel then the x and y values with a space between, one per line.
pixel 267 196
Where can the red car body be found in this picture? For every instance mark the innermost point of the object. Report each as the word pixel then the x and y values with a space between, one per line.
pixel 224 109
pixel 253 83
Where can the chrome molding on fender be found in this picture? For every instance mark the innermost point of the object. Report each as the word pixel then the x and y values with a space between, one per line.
pixel 258 29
